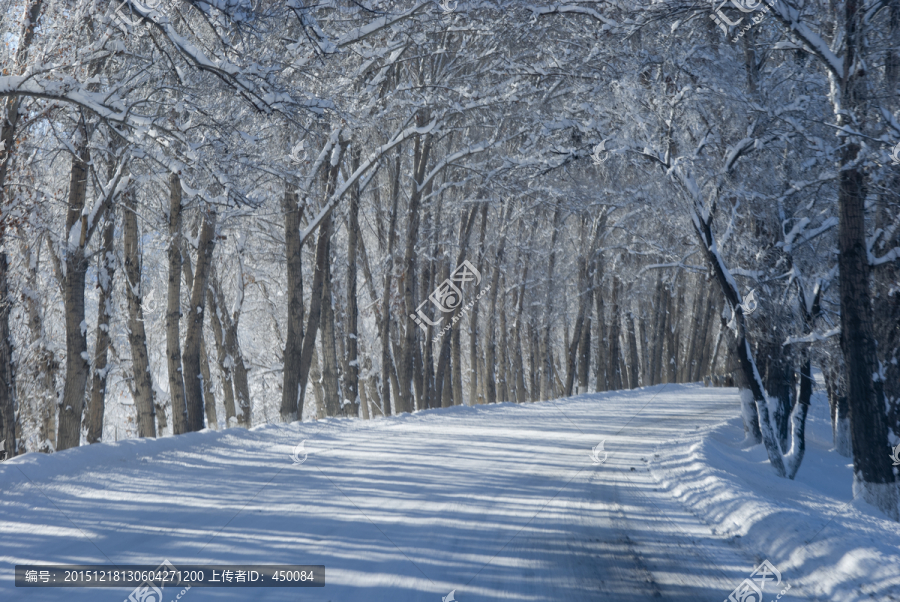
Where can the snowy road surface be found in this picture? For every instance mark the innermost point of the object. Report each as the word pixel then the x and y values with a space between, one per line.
pixel 498 502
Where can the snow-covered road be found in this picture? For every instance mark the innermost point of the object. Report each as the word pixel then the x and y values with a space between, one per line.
pixel 500 502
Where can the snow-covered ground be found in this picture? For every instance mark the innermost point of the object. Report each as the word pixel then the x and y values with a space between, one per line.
pixel 500 502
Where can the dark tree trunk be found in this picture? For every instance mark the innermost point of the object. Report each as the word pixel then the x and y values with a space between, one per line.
pixel 173 308
pixel 222 358
pixel 137 337
pixel 105 275
pixel 633 360
pixel 329 352
pixel 868 420
pixel 77 367
pixel 9 448
pixel 351 376
pixel 193 379
pixel 545 350
pixel 291 392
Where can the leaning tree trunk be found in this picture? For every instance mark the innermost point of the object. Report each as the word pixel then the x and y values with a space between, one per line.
pixel 193 379
pixel 173 309
pixel 137 337
pixel 98 384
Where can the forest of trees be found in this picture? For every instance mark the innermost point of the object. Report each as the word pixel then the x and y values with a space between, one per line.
pixel 227 213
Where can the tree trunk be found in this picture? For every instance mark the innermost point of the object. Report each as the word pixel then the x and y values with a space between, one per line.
pixel 193 379
pixel 209 399
pixel 633 376
pixel 105 274
pixel 8 439
pixel 615 375
pixel 291 391
pixel 329 353
pixel 9 446
pixel 491 351
pixel 601 370
pixel 835 385
pixel 473 316
pixel 657 331
pixel 222 358
pixel 545 350
pixel 407 361
pixel 43 370
pixel 173 308
pixel 868 420
pixel 137 337
pixel 77 367
pixel 387 365
pixel 351 376
pixel 315 304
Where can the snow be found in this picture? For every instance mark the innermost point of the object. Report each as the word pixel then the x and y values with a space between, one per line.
pixel 496 502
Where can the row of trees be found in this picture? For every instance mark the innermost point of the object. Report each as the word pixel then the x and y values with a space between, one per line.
pixel 259 209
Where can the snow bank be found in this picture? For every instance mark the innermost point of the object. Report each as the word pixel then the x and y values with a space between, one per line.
pixel 825 543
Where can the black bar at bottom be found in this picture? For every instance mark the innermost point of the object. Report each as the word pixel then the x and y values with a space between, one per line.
pixel 168 576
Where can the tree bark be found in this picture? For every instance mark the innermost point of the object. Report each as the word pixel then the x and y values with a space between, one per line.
pixel 329 353
pixel 193 379
pixel 868 420
pixel 387 365
pixel 173 308
pixel 633 360
pixel 77 367
pixel 105 275
pixel 473 317
pixel 9 446
pixel 545 350
pixel 405 366
pixel 137 337
pixel 222 358
pixel 291 391
pixel 491 376
pixel 351 375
